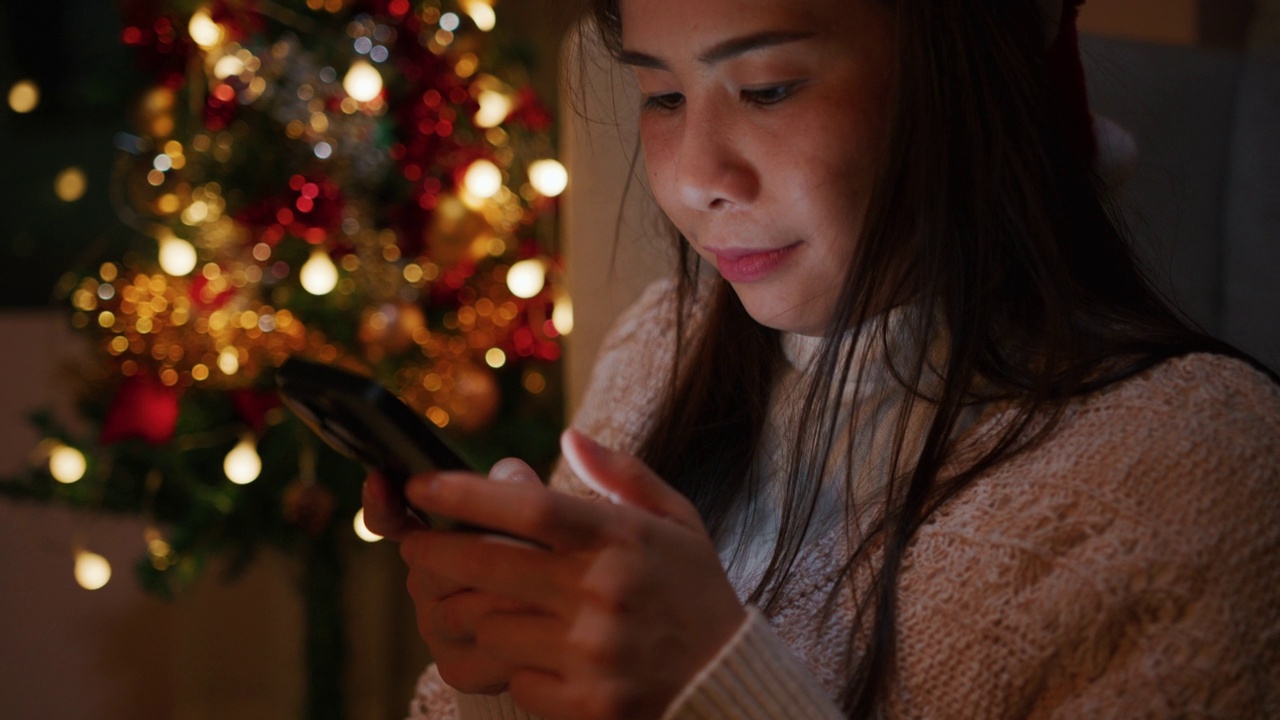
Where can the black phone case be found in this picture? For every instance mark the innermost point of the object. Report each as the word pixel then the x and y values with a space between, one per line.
pixel 361 419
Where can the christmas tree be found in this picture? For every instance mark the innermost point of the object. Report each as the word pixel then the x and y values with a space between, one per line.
pixel 364 182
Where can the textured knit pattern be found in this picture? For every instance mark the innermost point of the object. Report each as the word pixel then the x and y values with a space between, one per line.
pixel 1126 568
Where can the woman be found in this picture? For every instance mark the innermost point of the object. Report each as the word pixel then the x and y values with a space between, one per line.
pixel 927 445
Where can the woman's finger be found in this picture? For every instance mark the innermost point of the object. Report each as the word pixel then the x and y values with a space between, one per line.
pixel 519 509
pixel 491 564
pixel 456 617
pixel 384 513
pixel 528 641
pixel 513 470
pixel 624 478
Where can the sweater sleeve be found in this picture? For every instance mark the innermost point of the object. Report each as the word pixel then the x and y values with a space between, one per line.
pixel 754 677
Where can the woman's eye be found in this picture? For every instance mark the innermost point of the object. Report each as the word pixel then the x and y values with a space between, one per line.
pixel 769 95
pixel 663 101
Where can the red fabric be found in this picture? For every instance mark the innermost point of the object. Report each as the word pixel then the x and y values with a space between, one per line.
pixel 1066 72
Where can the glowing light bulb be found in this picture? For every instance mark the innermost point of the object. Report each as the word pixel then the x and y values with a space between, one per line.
pixel 228 66
pixel 526 278
pixel 562 315
pixel 362 531
pixel 207 33
pixel 243 465
pixel 229 361
pixel 24 96
pixel 495 358
pixel 319 276
pixel 494 108
pixel 70 184
pixel 66 464
pixel 177 256
pixel 481 13
pixel 362 82
pixel 92 570
pixel 548 177
pixel 483 179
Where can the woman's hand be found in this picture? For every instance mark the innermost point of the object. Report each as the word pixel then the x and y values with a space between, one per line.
pixel 447 613
pixel 614 607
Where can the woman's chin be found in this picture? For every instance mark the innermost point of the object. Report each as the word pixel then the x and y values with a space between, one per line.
pixel 773 311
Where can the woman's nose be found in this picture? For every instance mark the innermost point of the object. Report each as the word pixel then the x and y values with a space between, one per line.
pixel 713 171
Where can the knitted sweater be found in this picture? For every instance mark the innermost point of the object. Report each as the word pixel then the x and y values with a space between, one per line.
pixel 1127 567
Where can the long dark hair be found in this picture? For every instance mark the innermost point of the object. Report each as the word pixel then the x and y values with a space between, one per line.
pixel 1004 240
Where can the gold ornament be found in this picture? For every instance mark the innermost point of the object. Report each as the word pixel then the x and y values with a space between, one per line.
pixel 475 398
pixel 454 231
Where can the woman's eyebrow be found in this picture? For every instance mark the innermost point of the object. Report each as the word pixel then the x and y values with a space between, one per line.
pixel 721 51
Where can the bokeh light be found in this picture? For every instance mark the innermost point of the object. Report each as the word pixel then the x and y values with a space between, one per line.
pixel 362 82
pixel 527 278
pixel 66 464
pixel 483 179
pixel 548 177
pixel 243 465
pixel 70 184
pixel 24 96
pixel 92 571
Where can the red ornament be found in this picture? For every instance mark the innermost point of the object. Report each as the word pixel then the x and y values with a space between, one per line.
pixel 253 405
pixel 143 407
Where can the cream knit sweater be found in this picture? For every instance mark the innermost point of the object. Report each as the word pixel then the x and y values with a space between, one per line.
pixel 1126 568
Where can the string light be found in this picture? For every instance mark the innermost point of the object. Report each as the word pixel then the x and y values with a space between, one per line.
pixel 548 177
pixel 495 358
pixel 494 108
pixel 562 314
pixel 207 33
pixel 481 13
pixel 177 256
pixel 92 571
pixel 362 531
pixel 66 464
pixel 483 179
pixel 243 465
pixel 319 276
pixel 229 361
pixel 526 278
pixel 362 82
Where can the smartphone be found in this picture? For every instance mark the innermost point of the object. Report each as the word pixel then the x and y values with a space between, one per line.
pixel 365 421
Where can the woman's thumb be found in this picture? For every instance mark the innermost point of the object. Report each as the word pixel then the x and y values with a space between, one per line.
pixel 624 479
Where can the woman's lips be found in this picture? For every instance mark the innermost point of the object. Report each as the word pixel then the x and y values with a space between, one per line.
pixel 744 266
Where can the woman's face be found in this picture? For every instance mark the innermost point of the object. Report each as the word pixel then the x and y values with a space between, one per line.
pixel 762 126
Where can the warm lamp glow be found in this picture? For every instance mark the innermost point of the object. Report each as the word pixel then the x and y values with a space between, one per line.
pixel 483 179
pixel 243 465
pixel 207 33
pixel 362 531
pixel 177 256
pixel 526 278
pixel 24 96
pixel 66 464
pixel 362 82
pixel 548 177
pixel 92 570
pixel 495 358
pixel 319 276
